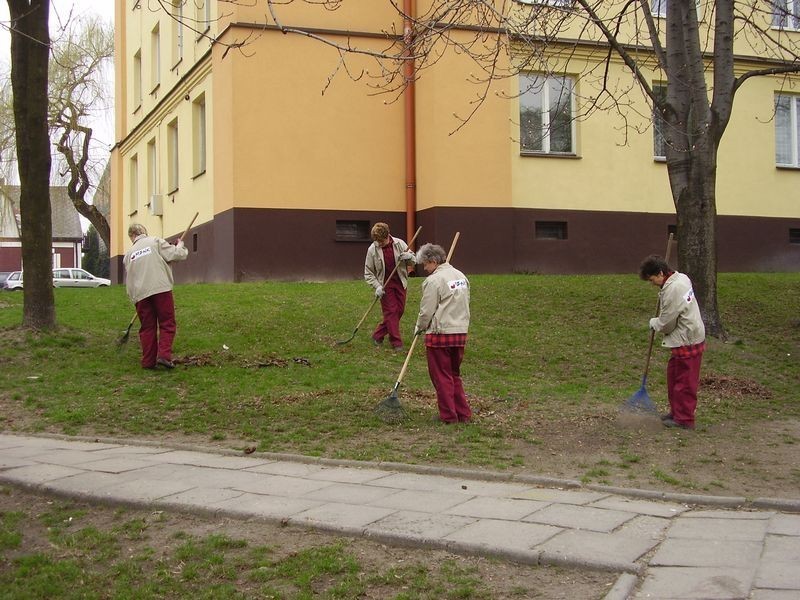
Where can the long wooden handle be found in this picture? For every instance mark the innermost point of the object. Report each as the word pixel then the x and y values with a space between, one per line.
pixel 197 214
pixel 658 311
pixel 453 245
pixel 397 263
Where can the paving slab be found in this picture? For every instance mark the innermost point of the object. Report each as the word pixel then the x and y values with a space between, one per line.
pixel 37 473
pixel 719 529
pixel 437 483
pixel 200 459
pixel 645 526
pixel 784 525
pixel 336 516
pixel 696 583
pixel 199 497
pixel 586 546
pixel 419 525
pixel 729 514
pixel 782 548
pixel 780 575
pixel 561 496
pixel 493 533
pixel 683 552
pixel 758 594
pixel 10 462
pixel 641 507
pixel 263 506
pixel 511 509
pixel 431 502
pixel 580 517
pixel 349 493
pixel 143 490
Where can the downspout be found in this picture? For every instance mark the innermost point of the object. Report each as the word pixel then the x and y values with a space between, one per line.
pixel 409 101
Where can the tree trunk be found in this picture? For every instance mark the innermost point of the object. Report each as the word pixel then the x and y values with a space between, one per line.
pixel 30 47
pixel 694 191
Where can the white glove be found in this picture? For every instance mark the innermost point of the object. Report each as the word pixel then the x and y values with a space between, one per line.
pixel 379 292
pixel 407 256
pixel 654 323
pixel 418 331
pixel 179 244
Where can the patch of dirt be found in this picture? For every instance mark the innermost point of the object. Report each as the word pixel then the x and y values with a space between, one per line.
pixel 208 359
pixel 164 532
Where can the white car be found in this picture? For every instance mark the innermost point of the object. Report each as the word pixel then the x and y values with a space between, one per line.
pixel 13 281
pixel 77 278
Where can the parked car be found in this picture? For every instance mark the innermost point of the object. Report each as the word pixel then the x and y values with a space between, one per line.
pixel 77 278
pixel 13 281
pixel 3 276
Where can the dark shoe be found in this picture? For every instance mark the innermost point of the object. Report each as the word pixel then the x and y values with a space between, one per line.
pixel 168 364
pixel 666 416
pixel 670 423
pixel 377 343
pixel 398 349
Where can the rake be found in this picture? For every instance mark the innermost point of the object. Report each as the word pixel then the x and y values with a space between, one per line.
pixel 127 333
pixel 375 299
pixel 640 401
pixel 389 409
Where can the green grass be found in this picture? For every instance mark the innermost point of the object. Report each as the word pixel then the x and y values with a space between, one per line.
pixel 89 555
pixel 541 348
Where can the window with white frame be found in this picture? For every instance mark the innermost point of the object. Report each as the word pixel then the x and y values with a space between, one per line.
pixel 137 79
pixel 787 152
pixel 659 141
pixel 177 32
pixel 546 119
pixel 659 8
pixel 152 169
pixel 155 57
pixel 199 135
pixel 785 14
pixel 172 156
pixel 133 202
pixel 202 16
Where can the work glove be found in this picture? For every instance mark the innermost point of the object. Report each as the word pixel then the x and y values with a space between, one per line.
pixel 179 244
pixel 379 292
pixel 407 256
pixel 418 331
pixel 654 323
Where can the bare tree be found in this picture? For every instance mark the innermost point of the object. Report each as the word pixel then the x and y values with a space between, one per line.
pixel 30 48
pixel 77 90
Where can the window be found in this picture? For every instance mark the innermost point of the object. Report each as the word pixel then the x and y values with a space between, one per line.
pixel 172 154
pixel 137 79
pixel 786 14
pixel 659 8
pixel 155 54
pixel 794 236
pixel 202 16
pixel 152 170
pixel 199 135
pixel 177 31
pixel 352 231
pixel 133 201
pixel 659 142
pixel 786 130
pixel 551 230
pixel 546 114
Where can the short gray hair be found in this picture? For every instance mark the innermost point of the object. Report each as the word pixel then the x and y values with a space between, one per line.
pixel 431 253
pixel 136 229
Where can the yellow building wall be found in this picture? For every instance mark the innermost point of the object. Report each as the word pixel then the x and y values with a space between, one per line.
pixel 291 146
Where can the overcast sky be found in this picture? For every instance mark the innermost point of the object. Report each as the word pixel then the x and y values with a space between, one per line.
pixel 60 12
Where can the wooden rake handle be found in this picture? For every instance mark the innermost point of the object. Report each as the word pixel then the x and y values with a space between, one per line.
pixel 658 310
pixel 416 337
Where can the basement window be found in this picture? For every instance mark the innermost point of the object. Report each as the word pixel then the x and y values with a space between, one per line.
pixel 352 231
pixel 551 230
pixel 794 236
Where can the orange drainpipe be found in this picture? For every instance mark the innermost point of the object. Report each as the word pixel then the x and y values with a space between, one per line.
pixel 410 122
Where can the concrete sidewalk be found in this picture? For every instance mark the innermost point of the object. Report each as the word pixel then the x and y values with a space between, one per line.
pixel 663 545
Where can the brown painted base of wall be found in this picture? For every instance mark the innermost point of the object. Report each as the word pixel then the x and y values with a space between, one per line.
pixel 257 244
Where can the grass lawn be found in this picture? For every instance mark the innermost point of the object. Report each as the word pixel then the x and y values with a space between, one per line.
pixel 549 361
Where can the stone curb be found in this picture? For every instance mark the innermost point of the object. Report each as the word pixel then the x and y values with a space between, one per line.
pixel 782 504
pixel 622 588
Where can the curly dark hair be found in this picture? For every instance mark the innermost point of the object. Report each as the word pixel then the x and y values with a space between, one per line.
pixel 653 265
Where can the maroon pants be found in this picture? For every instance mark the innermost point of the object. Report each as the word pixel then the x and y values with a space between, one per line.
pixel 683 378
pixel 393 304
pixel 157 318
pixel 444 367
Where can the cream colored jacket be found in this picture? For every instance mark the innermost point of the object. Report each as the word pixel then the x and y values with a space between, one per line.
pixel 147 266
pixel 444 307
pixel 375 269
pixel 679 317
